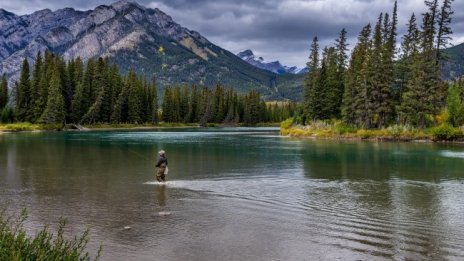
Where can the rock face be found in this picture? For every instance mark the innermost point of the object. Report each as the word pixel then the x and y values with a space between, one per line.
pixel 131 36
pixel 275 67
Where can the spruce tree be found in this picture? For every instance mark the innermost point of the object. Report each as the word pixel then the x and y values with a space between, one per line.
pixel 134 103
pixel 154 101
pixel 311 79
pixel 23 99
pixel 355 97
pixel 3 92
pixel 35 87
pixel 455 105
pixel 444 27
pixel 54 111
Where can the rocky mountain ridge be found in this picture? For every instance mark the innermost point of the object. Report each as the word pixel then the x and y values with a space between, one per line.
pixel 132 35
pixel 275 66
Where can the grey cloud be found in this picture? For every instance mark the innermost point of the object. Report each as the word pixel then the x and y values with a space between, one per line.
pixel 276 29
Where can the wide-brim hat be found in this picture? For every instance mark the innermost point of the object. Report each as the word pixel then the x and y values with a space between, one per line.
pixel 161 152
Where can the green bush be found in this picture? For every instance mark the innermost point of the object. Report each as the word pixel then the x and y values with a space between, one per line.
pixel 343 128
pixel 446 132
pixel 16 245
pixel 7 115
pixel 286 124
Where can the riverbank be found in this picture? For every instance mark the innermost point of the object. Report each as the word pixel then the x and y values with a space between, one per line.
pixel 29 127
pixel 341 131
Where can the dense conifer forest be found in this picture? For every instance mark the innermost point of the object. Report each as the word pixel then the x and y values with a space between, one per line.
pixel 379 85
pixel 58 92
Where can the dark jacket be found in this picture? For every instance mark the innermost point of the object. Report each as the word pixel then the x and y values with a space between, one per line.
pixel 161 160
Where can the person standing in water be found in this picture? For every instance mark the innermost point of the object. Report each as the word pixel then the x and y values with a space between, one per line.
pixel 161 165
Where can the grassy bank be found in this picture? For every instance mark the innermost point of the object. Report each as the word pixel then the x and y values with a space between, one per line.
pixel 22 126
pixel 15 244
pixel 339 130
pixel 25 126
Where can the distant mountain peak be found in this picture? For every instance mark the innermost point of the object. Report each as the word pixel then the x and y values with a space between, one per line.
pixel 275 66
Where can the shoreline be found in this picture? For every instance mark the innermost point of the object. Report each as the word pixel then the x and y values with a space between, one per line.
pixel 37 128
pixel 299 133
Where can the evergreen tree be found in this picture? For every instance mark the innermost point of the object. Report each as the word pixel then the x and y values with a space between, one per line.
pixel 54 112
pixel 23 99
pixel 311 79
pixel 3 92
pixel 77 105
pixel 444 27
pixel 355 107
pixel 99 110
pixel 341 47
pixel 134 102
pixel 154 101
pixel 410 48
pixel 35 87
pixel 455 105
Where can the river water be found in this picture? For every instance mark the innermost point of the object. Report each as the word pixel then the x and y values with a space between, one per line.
pixel 240 194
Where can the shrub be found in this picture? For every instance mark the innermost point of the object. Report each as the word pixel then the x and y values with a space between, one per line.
pixel 343 128
pixel 286 124
pixel 7 115
pixel 446 132
pixel 363 134
pixel 21 126
pixel 442 117
pixel 16 245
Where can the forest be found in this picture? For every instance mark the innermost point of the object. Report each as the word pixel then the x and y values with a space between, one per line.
pixel 380 85
pixel 57 92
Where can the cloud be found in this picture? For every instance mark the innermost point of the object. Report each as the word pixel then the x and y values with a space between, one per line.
pixel 275 29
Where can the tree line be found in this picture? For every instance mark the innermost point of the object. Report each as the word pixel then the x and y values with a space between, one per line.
pixel 380 85
pixel 59 92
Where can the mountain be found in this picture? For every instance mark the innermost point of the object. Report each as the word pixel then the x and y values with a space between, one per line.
pixel 275 67
pixel 131 35
pixel 454 65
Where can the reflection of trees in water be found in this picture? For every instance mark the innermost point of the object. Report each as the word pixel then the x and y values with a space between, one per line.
pixel 378 161
pixel 400 218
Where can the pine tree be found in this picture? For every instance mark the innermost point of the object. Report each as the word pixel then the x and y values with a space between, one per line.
pixel 77 105
pixel 410 48
pixel 167 106
pixel 311 79
pixel 23 98
pixel 341 47
pixel 134 103
pixel 354 109
pixel 455 105
pixel 35 86
pixel 154 101
pixel 54 112
pixel 444 28
pixel 3 92
pixel 99 110
pixel 194 106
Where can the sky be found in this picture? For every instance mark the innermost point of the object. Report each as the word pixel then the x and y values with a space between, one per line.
pixel 274 29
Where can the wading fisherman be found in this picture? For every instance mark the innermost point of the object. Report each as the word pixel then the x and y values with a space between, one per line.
pixel 162 164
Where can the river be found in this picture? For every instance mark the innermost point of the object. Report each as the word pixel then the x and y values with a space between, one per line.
pixel 240 194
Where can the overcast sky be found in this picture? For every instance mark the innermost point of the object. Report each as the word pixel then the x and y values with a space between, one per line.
pixel 274 29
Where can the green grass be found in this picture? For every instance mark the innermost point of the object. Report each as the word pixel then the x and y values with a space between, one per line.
pixel 16 245
pixel 340 130
pixel 21 126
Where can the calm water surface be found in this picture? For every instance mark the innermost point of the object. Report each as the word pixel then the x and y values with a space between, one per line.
pixel 240 194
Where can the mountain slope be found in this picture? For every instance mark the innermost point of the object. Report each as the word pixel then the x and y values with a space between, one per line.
pixel 275 67
pixel 131 36
pixel 454 66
